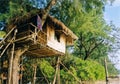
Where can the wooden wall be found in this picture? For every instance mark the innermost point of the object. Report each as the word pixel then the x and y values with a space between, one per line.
pixel 53 43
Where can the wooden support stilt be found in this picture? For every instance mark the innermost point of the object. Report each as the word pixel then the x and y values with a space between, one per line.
pixel 55 75
pixel 54 78
pixel 34 75
pixel 11 60
pixel 58 70
pixel 10 65
pixel 106 71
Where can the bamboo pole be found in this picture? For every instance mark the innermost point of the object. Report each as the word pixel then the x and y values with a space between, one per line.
pixel 10 65
pixel 1 46
pixel 7 35
pixel 11 60
pixel 34 75
pixel 55 75
pixel 58 70
pixel 23 38
pixel 5 49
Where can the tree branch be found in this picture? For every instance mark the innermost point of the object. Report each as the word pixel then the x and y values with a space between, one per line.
pixel 92 49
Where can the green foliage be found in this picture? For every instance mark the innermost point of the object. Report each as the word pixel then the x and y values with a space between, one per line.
pixel 2 34
pixel 85 19
pixel 67 78
pixel 47 69
pixel 89 70
pixel 15 9
pixel 83 70
pixel 93 33
pixel 28 70
pixel 80 69
pixel 4 6
pixel 66 11
pixel 44 70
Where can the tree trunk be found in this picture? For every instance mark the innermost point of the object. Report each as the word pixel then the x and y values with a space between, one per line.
pixel 15 66
pixel 15 75
pixel 46 10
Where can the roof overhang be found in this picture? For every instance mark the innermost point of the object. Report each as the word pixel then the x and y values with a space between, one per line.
pixel 61 27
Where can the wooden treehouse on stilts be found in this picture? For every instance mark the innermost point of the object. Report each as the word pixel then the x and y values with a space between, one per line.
pixel 50 40
pixel 27 35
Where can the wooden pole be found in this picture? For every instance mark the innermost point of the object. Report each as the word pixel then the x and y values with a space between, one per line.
pixel 10 65
pixel 106 71
pixel 7 35
pixel 11 60
pixel 58 70
pixel 34 75
pixel 55 76
pixel 5 49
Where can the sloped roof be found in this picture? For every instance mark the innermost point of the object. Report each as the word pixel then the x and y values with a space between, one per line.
pixel 62 26
pixel 50 19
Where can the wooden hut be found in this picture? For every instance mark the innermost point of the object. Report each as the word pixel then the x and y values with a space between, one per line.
pixel 49 40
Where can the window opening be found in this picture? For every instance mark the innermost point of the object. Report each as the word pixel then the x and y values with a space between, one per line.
pixel 57 36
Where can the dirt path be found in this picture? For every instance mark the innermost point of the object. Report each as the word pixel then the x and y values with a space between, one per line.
pixel 110 81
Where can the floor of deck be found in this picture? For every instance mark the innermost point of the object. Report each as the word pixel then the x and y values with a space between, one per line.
pixel 38 50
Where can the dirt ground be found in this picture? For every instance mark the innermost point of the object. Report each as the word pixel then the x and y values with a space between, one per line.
pixel 110 81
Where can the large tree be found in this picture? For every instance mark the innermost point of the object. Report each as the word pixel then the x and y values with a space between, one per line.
pixel 85 18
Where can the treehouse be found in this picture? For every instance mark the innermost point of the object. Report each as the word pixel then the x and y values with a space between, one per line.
pixel 50 39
